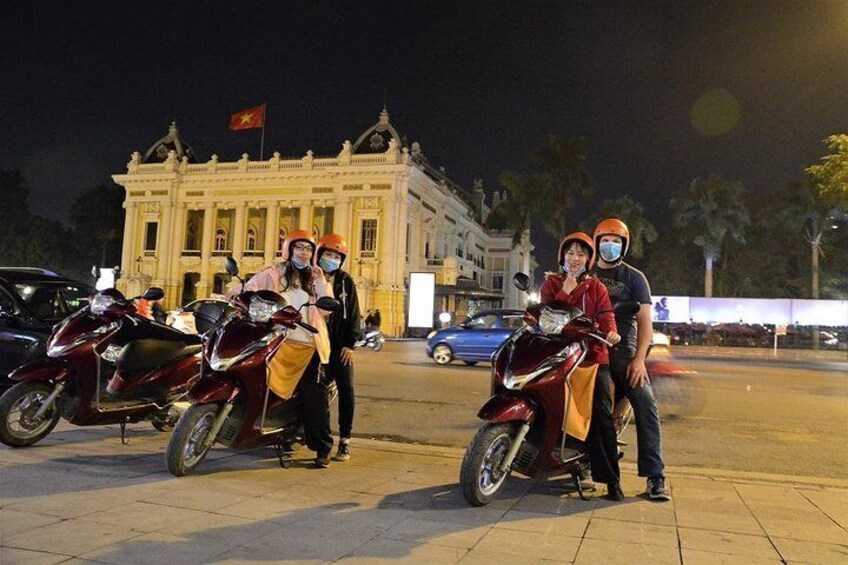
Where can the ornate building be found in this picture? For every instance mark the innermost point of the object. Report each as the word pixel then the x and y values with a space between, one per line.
pixel 398 212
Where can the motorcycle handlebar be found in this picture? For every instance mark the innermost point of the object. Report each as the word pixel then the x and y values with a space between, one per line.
pixel 308 327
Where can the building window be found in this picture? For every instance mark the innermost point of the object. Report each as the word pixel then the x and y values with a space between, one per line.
pixel 408 240
pixel 368 238
pixel 194 231
pixel 251 239
pixel 151 229
pixel 281 239
pixel 220 239
pixel 497 281
pixel 322 221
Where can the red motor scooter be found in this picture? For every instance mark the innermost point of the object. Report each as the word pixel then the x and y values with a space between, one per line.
pixel 105 364
pixel 531 372
pixel 232 402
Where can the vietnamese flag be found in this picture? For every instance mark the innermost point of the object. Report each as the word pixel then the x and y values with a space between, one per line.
pixel 248 119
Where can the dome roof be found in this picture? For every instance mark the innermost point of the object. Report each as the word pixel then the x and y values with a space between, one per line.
pixel 172 141
pixel 376 138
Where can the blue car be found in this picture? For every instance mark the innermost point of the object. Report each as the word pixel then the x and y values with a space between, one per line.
pixel 475 339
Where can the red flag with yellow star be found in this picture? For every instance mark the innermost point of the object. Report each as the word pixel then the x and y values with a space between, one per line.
pixel 248 119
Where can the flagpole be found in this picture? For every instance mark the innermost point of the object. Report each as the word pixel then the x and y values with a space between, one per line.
pixel 262 140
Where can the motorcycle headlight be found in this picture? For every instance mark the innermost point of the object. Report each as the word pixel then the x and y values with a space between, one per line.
pixel 54 350
pixel 552 321
pixel 100 302
pixel 111 353
pixel 219 364
pixel 517 382
pixel 261 310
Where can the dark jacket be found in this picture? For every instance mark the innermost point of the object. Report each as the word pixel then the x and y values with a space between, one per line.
pixel 344 323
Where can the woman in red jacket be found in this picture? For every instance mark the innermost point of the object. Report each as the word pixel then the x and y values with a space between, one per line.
pixel 575 287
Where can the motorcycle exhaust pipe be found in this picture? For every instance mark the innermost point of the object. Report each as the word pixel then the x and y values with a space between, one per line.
pixel 51 398
pixel 516 445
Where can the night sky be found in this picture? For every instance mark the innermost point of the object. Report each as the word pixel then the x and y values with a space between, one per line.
pixel 662 92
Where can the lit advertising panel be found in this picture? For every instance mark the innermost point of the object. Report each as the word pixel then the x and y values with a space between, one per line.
pixel 421 300
pixel 819 312
pixel 741 310
pixel 673 309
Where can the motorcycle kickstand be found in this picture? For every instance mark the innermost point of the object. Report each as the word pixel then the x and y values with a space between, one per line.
pixel 124 433
pixel 283 456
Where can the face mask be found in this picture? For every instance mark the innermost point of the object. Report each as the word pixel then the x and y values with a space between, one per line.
pixel 577 274
pixel 329 265
pixel 610 251
pixel 298 265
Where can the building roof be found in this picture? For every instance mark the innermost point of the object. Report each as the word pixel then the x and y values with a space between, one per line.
pixel 172 141
pixel 376 138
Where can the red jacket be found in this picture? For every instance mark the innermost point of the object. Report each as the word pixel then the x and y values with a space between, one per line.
pixel 590 295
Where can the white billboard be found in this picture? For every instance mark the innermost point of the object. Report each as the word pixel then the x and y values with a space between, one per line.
pixel 819 312
pixel 672 309
pixel 421 300
pixel 741 310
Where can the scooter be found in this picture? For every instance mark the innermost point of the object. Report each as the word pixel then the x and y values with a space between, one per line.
pixel 105 364
pixel 372 339
pixel 531 372
pixel 232 402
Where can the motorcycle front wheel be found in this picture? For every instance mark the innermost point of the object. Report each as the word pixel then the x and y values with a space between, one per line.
pixel 18 406
pixel 378 345
pixel 187 448
pixel 480 476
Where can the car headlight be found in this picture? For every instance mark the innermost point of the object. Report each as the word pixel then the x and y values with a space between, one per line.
pixel 219 364
pixel 552 321
pixel 431 334
pixel 100 302
pixel 261 310
pixel 54 350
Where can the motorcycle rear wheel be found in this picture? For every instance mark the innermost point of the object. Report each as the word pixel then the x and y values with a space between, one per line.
pixel 187 449
pixel 17 406
pixel 378 345
pixel 480 475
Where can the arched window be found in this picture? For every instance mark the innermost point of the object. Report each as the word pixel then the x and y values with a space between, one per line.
pixel 251 239
pixel 220 239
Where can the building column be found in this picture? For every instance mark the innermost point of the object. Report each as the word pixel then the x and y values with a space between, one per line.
pixel 172 296
pixel 272 228
pixel 128 244
pixel 239 230
pixel 306 216
pixel 210 219
pixel 163 246
pixel 341 219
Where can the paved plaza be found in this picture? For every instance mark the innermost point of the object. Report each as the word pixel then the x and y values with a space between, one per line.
pixel 81 497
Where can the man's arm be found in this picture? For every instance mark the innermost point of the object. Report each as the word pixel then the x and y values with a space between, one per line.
pixel 637 374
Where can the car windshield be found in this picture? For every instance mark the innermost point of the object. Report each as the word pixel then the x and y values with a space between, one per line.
pixel 52 302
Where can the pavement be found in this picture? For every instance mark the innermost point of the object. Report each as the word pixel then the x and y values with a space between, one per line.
pixel 80 496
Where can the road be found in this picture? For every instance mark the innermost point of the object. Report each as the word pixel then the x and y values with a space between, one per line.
pixel 753 416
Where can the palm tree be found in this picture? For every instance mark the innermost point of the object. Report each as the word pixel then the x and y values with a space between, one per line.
pixel 514 212
pixel 715 211
pixel 562 177
pixel 631 213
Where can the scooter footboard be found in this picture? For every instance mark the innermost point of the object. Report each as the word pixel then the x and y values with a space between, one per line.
pixel 44 369
pixel 507 408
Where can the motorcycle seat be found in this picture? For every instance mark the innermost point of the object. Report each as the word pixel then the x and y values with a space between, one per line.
pixel 144 355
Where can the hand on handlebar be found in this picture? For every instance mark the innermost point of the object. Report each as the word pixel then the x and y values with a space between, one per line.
pixel 613 338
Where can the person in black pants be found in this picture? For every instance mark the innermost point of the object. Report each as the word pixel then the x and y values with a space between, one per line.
pixel 343 326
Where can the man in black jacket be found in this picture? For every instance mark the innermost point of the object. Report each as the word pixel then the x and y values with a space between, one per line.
pixel 343 325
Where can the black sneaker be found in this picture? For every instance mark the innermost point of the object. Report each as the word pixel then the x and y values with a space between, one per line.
pixel 656 488
pixel 614 492
pixel 322 461
pixel 343 452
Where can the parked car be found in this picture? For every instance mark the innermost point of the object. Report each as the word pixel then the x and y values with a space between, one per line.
pixel 32 301
pixel 183 319
pixel 474 340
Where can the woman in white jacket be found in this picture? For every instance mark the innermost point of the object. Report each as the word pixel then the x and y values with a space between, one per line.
pixel 297 365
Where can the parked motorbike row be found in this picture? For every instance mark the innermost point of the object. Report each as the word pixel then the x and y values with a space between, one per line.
pixel 107 364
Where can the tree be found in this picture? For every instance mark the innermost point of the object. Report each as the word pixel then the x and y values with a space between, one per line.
pixel 831 176
pixel 631 213
pixel 714 211
pixel 561 176
pixel 97 220
pixel 514 212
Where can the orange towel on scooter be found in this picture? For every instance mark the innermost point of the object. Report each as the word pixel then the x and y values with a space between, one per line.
pixel 579 403
pixel 287 366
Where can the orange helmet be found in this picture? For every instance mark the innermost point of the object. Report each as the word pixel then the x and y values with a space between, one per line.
pixel 333 242
pixel 297 235
pixel 613 226
pixel 583 238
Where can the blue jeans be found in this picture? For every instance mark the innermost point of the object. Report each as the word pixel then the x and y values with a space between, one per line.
pixel 648 435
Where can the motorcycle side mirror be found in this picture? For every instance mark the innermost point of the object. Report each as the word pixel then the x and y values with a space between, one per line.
pixel 231 266
pixel 153 293
pixel 521 281
pixel 630 308
pixel 327 303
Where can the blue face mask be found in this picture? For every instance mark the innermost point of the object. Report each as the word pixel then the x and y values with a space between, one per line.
pixel 610 251
pixel 298 265
pixel 329 265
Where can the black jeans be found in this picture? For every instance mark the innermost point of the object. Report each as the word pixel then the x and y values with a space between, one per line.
pixel 315 409
pixel 343 375
pixel 601 441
